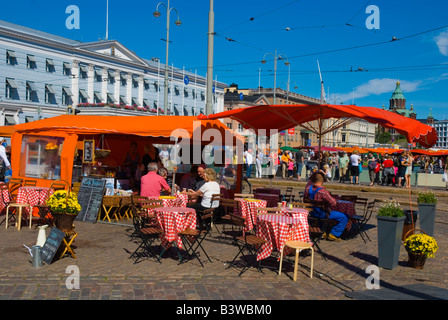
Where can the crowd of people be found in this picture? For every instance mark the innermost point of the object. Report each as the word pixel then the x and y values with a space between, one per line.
pixel 394 169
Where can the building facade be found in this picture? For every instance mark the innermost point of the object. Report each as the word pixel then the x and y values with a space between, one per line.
pixel 44 75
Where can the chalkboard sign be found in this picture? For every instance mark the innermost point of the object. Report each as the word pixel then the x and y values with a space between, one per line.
pixel 52 245
pixel 90 197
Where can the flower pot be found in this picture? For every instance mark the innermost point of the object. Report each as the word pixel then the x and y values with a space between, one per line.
pixel 416 260
pixel 427 213
pixel 390 230
pixel 64 222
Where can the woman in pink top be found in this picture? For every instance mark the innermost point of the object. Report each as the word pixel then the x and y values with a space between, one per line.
pixel 152 183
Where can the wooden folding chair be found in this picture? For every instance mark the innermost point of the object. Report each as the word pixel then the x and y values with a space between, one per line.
pixel 245 242
pixel 192 238
pixel 243 196
pixel 146 235
pixel 360 221
pixel 29 183
pixel 14 185
pixel 288 196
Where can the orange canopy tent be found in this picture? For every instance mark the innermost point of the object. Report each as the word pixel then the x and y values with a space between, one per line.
pixel 120 131
pixel 282 117
pixel 6 131
pixel 433 153
pixel 384 150
pixel 351 149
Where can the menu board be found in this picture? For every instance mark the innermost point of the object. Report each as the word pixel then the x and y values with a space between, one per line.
pixel 52 245
pixel 90 197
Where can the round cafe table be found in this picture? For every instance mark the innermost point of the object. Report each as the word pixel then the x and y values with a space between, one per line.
pixel 33 195
pixel 276 229
pixel 173 220
pixel 247 208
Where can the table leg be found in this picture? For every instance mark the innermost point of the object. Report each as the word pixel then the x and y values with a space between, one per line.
pixel 68 244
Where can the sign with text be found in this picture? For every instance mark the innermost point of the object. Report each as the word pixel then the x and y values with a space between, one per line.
pixel 90 197
pixel 52 245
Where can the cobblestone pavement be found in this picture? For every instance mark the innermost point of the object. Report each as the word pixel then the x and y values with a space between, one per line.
pixel 107 273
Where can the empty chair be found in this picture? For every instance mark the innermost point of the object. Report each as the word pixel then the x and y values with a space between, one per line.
pixel 268 210
pixel 244 195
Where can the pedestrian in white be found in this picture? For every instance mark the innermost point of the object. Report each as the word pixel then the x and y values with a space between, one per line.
pixel 258 161
pixel 164 156
pixel 5 165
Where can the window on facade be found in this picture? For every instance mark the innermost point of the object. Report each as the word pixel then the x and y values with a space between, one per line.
pixel 145 84
pixel 31 91
pixel 50 94
pixel 66 69
pixel 9 120
pixel 240 127
pixel 11 57
pixel 98 76
pixel 31 62
pixel 66 96
pixel 11 89
pixel 229 125
pixel 83 71
pixel 123 80
pixel 185 92
pixel 49 65
pixel 97 98
pixel 41 157
pixel 83 96
pixel 111 98
pixel 135 82
pixel 202 96
pixel 123 100
pixel 156 86
pixel 343 137
pixel 111 76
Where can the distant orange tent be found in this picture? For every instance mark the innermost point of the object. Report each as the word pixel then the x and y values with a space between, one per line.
pixel 352 149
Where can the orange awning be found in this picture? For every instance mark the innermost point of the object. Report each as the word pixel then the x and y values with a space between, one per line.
pixel 351 149
pixel 6 131
pixel 282 117
pixel 163 127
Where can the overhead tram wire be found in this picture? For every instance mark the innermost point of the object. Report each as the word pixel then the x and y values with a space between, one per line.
pixel 260 15
pixel 342 49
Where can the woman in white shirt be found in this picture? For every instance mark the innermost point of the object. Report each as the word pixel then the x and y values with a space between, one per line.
pixel 355 160
pixel 208 189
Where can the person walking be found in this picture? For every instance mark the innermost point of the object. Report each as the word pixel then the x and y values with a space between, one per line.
pixel 285 160
pixel 258 161
pixel 299 164
pixel 407 175
pixel 249 162
pixel 371 164
pixel 343 165
pixel 355 160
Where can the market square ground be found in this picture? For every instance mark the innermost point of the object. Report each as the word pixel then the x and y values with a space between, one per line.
pixel 107 273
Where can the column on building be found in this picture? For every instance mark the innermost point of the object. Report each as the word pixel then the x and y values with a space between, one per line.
pixel 117 85
pixel 75 81
pixel 90 80
pixel 105 77
pixel 140 90
pixel 129 89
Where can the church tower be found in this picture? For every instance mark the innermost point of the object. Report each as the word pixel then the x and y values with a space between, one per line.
pixel 430 119
pixel 397 102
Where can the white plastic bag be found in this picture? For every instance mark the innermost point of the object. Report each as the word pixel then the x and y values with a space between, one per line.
pixel 444 177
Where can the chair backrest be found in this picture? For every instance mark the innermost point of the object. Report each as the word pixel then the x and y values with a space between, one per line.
pixel 349 198
pixel 321 204
pixel 4 187
pixel 29 183
pixel 369 210
pixel 228 205
pixel 151 204
pixel 244 195
pixel 237 220
pixel 362 204
pixel 303 205
pixel 137 199
pixel 215 198
pixel 60 185
pixel 14 185
pixel 268 210
pixel 288 190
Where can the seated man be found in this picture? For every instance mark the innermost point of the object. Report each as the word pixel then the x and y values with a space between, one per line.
pixel 317 192
pixel 152 184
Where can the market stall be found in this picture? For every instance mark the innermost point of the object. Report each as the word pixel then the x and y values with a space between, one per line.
pixel 69 147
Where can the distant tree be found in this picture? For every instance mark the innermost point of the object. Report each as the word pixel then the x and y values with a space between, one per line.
pixel 384 137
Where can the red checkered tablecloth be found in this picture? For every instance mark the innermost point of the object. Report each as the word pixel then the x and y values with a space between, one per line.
pixel 33 195
pixel 5 199
pixel 174 220
pixel 276 229
pixel 247 208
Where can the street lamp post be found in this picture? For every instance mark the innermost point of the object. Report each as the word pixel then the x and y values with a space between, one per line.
pixel 177 23
pixel 276 57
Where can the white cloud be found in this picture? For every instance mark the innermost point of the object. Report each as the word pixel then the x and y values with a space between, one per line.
pixel 442 43
pixel 377 87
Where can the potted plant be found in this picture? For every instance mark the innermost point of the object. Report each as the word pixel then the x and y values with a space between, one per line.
pixel 390 227
pixel 64 207
pixel 419 247
pixel 427 202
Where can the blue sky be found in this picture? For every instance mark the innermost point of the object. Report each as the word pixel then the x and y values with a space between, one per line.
pixel 304 31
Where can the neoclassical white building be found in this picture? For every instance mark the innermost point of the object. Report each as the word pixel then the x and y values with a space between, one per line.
pixel 41 75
